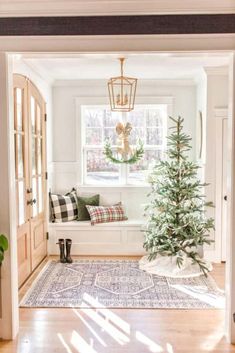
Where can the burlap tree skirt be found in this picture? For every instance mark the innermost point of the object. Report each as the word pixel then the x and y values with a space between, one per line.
pixel 167 266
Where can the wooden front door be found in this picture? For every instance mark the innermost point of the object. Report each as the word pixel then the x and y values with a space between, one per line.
pixel 30 169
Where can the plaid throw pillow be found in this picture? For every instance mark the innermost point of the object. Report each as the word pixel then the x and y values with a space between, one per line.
pixel 64 207
pixel 102 214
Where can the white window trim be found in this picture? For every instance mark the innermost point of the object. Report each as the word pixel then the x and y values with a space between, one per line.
pixel 86 101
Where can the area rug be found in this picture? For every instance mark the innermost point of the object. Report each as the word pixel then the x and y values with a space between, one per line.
pixel 118 284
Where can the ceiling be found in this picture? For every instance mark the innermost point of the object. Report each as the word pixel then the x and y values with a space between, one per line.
pixel 103 66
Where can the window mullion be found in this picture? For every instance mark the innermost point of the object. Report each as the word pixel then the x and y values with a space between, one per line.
pixel 123 173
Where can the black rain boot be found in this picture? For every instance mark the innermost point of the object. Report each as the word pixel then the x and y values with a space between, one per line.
pixel 62 255
pixel 68 245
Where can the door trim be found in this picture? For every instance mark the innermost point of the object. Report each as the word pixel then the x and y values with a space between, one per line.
pixel 220 115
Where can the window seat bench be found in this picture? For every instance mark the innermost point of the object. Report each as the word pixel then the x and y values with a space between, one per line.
pixel 115 238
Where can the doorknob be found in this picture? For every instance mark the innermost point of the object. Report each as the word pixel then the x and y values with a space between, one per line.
pixel 29 191
pixel 31 202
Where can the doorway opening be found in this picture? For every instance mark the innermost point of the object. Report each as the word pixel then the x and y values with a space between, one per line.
pixel 185 79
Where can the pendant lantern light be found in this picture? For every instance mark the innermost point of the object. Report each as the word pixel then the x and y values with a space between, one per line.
pixel 122 90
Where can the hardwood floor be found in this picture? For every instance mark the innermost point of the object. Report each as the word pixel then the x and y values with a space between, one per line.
pixel 120 330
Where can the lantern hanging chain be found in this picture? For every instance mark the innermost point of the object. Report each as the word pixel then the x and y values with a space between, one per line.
pixel 122 61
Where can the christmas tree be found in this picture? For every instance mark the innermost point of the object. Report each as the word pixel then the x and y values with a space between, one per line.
pixel 177 224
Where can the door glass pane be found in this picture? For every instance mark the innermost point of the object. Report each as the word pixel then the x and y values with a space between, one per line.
pixel 33 155
pixel 21 202
pixel 19 102
pixel 20 156
pixel 16 162
pixel 40 194
pixel 39 127
pixel 34 196
pixel 33 120
pixel 39 155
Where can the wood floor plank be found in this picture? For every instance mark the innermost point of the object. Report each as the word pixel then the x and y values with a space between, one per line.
pixel 120 330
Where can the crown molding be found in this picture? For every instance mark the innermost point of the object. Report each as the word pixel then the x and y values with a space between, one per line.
pixel 112 7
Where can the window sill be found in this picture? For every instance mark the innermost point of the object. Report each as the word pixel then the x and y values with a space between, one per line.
pixel 124 186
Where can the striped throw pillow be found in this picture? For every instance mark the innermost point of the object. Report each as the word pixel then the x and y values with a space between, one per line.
pixel 64 207
pixel 103 214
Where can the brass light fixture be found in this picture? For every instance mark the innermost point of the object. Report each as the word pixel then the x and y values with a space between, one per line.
pixel 122 90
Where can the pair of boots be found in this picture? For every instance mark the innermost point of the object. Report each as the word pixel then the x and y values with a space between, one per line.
pixel 65 244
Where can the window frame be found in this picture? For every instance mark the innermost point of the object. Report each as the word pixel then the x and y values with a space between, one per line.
pixel 124 170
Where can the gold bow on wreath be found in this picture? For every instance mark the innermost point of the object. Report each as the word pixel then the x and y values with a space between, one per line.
pixel 127 153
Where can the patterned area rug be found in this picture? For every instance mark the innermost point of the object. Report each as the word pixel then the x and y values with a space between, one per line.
pixel 118 284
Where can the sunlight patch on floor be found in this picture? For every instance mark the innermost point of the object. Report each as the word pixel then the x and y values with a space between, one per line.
pixel 152 346
pixel 105 325
pixel 68 350
pixel 81 345
pixel 208 298
pixel 99 339
pixel 169 348
pixel 108 314
pixel 211 341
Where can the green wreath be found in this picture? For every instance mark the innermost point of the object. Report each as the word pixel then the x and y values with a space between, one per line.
pixel 136 156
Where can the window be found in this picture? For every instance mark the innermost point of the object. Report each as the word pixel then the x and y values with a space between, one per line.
pixel 149 123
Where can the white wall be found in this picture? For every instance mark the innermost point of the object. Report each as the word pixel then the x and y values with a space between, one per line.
pixel 201 106
pixel 65 159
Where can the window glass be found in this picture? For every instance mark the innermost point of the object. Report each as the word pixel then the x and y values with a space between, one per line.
pixel 154 136
pixel 138 173
pixel 99 170
pixel 93 136
pixel 148 125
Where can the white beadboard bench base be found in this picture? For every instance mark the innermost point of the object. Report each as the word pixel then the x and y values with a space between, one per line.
pixel 116 238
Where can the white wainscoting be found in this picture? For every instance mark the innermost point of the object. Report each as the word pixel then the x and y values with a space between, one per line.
pixel 117 238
